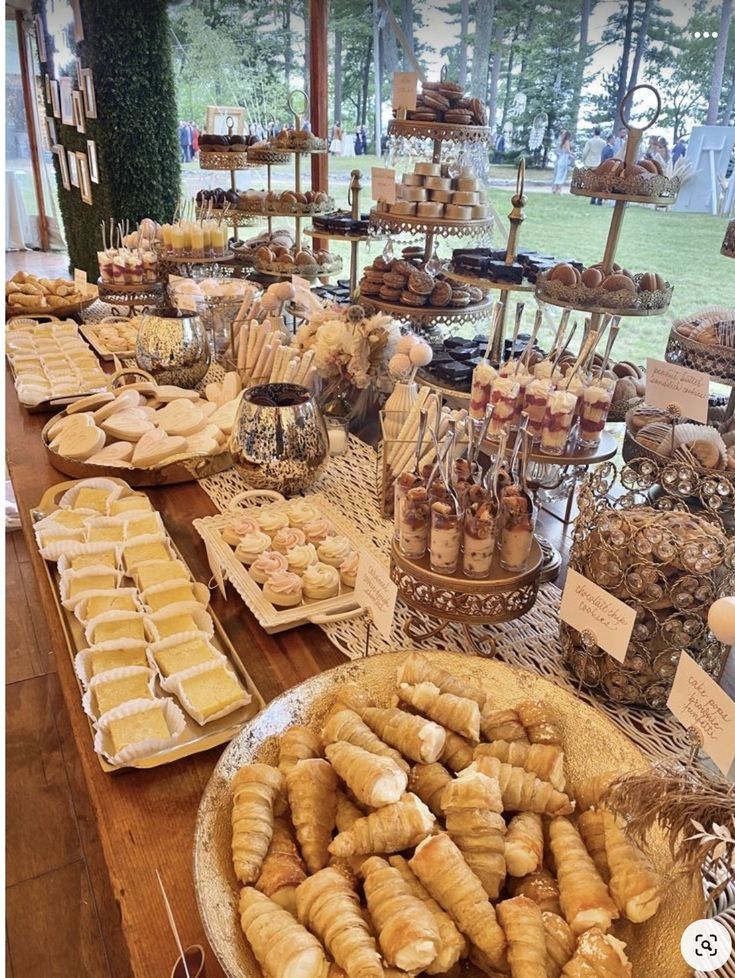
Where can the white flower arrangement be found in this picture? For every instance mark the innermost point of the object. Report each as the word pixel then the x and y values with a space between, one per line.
pixel 350 347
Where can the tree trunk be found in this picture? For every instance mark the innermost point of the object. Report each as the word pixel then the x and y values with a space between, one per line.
pixel 582 55
pixel 640 46
pixel 623 75
pixel 484 16
pixel 508 79
pixel 366 83
pixel 492 108
pixel 464 26
pixel 407 25
pixel 337 76
pixel 288 52
pixel 730 104
pixel 718 68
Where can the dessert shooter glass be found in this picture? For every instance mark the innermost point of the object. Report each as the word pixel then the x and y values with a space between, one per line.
pixel 558 421
pixel 517 523
pixel 482 380
pixel 503 398
pixel 594 409
pixel 523 378
pixel 535 400
pixel 446 536
pixel 480 532
pixel 106 266
pixel 404 482
pixel 413 532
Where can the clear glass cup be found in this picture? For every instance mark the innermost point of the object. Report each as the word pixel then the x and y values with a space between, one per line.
pixel 338 431
pixel 558 421
pixel 536 397
pixel 446 537
pixel 401 487
pixel 594 409
pixel 415 521
pixel 482 380
pixel 517 524
pixel 479 538
pixel 503 398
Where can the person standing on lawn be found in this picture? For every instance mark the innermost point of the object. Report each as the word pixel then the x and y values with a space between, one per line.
pixel 609 149
pixel 564 156
pixel 592 155
pixel 679 150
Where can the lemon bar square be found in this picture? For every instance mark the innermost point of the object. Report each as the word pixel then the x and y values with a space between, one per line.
pixel 176 625
pixel 179 658
pixel 115 602
pixel 130 504
pixel 137 527
pixel 143 552
pixel 183 591
pixel 102 660
pixel 104 558
pixel 111 694
pixel 94 582
pixel 211 692
pixel 138 727
pixel 110 631
pixel 107 532
pixel 159 571
pixel 89 498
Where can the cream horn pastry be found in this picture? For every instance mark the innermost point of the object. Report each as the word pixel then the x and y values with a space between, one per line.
pixel 297 744
pixel 281 945
pixel 373 780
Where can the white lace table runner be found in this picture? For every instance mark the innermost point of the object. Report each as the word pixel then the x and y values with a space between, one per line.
pixel 531 642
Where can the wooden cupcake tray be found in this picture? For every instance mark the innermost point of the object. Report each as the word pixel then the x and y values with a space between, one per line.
pixel 222 557
pixel 195 738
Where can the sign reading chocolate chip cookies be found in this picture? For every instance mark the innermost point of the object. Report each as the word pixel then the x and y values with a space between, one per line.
pixel 668 385
pixel 595 612
pixel 404 89
pixel 383 184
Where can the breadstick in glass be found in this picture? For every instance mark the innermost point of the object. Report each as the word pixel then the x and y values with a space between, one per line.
pixel 255 789
pixel 456 713
pixel 598 955
pixel 546 761
pixel 440 866
pixel 373 780
pixel 283 869
pixel 312 787
pixel 297 744
pixel 524 844
pixel 453 944
pixel 560 943
pixel 541 722
pixel 522 791
pixel 418 739
pixel 541 887
pixel 407 934
pixel 346 725
pixel 282 947
pixel 457 753
pixel 584 898
pixel 521 920
pixel 418 669
pixel 329 906
pixel 428 781
pixel 502 725
pixel 591 825
pixel 472 805
pixel 388 829
pixel 588 793
pixel 634 883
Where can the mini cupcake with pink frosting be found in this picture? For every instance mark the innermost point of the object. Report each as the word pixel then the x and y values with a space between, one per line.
pixel 283 589
pixel 239 527
pixel 268 563
pixel 318 530
pixel 288 538
pixel 348 569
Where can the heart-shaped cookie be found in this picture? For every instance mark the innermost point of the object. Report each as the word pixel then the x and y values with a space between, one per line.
pixel 122 402
pixel 119 453
pixel 180 417
pixel 65 423
pixel 203 444
pixel 224 416
pixel 213 394
pixel 231 385
pixel 128 425
pixel 168 392
pixel 79 443
pixel 91 403
pixel 155 447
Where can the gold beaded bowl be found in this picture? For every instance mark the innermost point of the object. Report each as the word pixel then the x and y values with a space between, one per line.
pixel 592 745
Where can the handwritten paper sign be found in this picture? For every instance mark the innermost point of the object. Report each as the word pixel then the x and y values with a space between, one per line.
pixel 375 590
pixel 588 607
pixel 383 184
pixel 404 89
pixel 299 282
pixel 668 384
pixel 697 701
pixel 80 277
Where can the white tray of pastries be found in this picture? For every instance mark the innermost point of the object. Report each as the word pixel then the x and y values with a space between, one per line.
pixel 113 336
pixel 158 676
pixel 292 562
pixel 471 828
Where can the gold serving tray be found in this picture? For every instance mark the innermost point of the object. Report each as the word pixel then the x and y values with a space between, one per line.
pixel 89 295
pixel 194 739
pixel 440 131
pixel 593 744
pixel 444 226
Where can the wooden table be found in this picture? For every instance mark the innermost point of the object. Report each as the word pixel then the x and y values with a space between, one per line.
pixel 145 819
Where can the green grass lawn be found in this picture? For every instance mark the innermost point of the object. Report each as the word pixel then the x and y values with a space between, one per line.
pixel 685 248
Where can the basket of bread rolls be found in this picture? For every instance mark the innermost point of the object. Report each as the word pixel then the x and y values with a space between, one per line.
pixel 28 295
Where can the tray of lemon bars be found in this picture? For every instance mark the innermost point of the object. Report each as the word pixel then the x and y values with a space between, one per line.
pixel 158 676
pixel 292 561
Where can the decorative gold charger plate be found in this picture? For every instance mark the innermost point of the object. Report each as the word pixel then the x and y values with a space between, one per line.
pixel 444 227
pixel 593 745
pixel 451 132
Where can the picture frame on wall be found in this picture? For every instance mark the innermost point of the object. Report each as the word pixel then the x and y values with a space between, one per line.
pixel 66 90
pixel 40 38
pixel 78 62
pixel 60 152
pixel 94 173
pixel 73 169
pixel 85 185
pixel 90 99
pixel 55 100
pixel 78 25
pixel 78 106
pixel 51 128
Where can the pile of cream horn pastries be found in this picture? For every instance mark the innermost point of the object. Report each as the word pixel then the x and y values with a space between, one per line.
pixel 293 552
pixel 396 842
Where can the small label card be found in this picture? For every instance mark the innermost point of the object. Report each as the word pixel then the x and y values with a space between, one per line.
pixel 404 89
pixel 588 607
pixel 697 701
pixel 375 590
pixel 668 384
pixel 299 282
pixel 80 276
pixel 383 184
